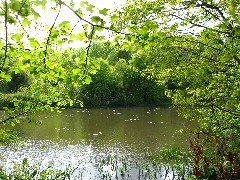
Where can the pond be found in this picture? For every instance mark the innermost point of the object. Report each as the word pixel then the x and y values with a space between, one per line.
pixel 81 138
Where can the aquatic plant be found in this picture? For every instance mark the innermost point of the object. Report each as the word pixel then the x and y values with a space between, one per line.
pixel 168 163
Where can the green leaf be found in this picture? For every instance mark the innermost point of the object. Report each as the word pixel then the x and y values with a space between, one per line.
pixel 125 45
pixel 15 103
pixel 88 80
pixel 77 71
pixel 83 3
pixel 65 25
pixel 79 12
pixel 15 6
pixel 114 18
pixel 99 29
pixel 16 70
pixel 26 22
pixel 83 57
pixel 85 26
pixel 39 121
pixel 36 14
pixel 71 103
pixel 2 44
pixel 5 76
pixel 80 36
pixel 17 37
pixel 96 64
pixel 93 71
pixel 33 43
pixel 11 19
pixel 34 173
pixel 96 19
pixel 55 34
pixel 70 41
pixel 27 55
pixel 12 124
pixel 104 11
pixel 90 8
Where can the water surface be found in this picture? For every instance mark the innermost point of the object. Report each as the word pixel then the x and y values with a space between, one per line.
pixel 83 137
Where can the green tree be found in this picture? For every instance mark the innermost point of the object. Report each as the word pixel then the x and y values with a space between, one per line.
pixel 24 51
pixel 193 47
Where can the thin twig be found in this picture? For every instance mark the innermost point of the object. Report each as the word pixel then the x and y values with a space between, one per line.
pixel 204 4
pixel 23 3
pixel 89 22
pixel 21 24
pixel 88 48
pixel 48 39
pixel 213 7
pixel 13 117
pixel 227 110
pixel 74 27
pixel 198 25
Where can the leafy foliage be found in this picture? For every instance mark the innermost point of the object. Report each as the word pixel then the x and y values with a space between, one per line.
pixel 114 82
pixel 27 62
pixel 30 77
pixel 190 46
pixel 193 47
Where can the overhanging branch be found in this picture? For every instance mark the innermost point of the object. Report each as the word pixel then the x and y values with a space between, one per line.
pixel 48 39
pixel 88 49
pixel 89 22
pixel 13 117
pixel 227 110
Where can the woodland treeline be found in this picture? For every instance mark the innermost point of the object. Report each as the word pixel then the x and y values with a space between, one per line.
pixel 115 81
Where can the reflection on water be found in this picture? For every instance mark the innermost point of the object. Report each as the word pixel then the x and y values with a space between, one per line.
pixel 84 137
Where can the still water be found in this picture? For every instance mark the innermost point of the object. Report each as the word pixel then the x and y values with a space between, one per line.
pixel 81 138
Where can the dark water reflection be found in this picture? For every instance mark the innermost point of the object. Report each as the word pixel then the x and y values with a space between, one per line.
pixel 87 134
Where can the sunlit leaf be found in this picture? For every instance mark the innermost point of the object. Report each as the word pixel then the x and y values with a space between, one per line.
pixel 26 22
pixel 96 19
pixel 65 25
pixel 90 8
pixel 12 124
pixel 114 18
pixel 17 37
pixel 104 11
pixel 88 80
pixel 83 3
pixel 33 43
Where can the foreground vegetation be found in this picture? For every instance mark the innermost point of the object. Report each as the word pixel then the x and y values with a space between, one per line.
pixel 168 163
pixel 191 47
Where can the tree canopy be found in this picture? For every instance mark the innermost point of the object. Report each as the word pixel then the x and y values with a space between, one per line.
pixel 190 46
pixel 193 47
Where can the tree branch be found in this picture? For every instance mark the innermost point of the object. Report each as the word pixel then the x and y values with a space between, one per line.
pixel 236 58
pixel 88 49
pixel 23 3
pixel 13 117
pixel 48 39
pixel 198 42
pixel 6 37
pixel 204 4
pixel 96 25
pixel 227 110
pixel 21 24
pixel 213 7
pixel 199 55
pixel 198 25
pixel 74 27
